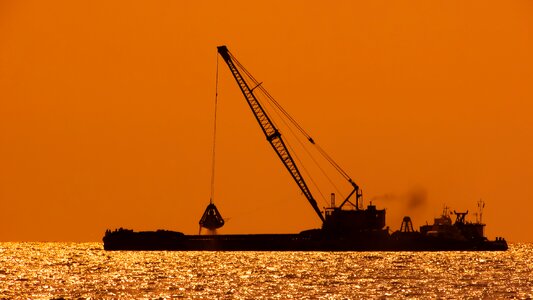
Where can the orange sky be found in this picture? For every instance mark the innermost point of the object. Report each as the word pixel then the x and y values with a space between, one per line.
pixel 106 111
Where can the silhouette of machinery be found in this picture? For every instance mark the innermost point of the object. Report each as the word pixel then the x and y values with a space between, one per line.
pixel 407 225
pixel 335 219
pixel 211 219
pixel 460 217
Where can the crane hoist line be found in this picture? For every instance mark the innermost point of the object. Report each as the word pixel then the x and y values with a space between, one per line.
pixel 272 133
pixel 212 219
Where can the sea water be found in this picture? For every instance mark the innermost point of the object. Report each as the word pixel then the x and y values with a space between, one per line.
pixel 85 270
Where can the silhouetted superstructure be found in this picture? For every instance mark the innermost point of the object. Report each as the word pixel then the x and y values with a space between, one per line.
pixel 346 227
pixel 461 229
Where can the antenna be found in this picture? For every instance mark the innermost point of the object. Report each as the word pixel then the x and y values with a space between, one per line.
pixel 480 206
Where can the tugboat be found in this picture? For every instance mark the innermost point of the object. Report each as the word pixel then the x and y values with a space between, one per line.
pixel 347 227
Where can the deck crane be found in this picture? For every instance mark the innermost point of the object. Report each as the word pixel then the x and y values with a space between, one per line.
pixel 333 214
pixel 335 220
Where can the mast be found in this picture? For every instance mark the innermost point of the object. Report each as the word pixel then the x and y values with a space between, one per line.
pixel 272 134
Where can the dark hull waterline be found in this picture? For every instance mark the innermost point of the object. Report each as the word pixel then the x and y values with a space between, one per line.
pixel 163 240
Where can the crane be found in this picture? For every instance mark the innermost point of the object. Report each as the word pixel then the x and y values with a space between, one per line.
pixel 272 134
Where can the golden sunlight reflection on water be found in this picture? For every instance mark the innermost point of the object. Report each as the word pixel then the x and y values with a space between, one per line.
pixel 85 270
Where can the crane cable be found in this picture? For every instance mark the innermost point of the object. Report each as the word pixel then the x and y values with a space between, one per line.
pixel 212 196
pixel 293 121
pixel 279 110
pixel 299 140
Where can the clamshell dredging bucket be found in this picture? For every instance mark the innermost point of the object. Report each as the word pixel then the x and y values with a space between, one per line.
pixel 211 219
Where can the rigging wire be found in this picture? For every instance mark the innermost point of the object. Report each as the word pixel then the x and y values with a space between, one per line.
pixel 212 196
pixel 302 166
pixel 294 153
pixel 297 125
pixel 311 156
pixel 293 121
pixel 309 138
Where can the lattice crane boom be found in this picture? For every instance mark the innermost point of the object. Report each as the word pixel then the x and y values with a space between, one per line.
pixel 269 129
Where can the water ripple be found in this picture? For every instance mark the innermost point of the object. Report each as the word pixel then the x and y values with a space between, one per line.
pixel 70 270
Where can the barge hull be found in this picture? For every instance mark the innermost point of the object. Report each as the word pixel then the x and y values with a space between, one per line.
pixel 164 240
